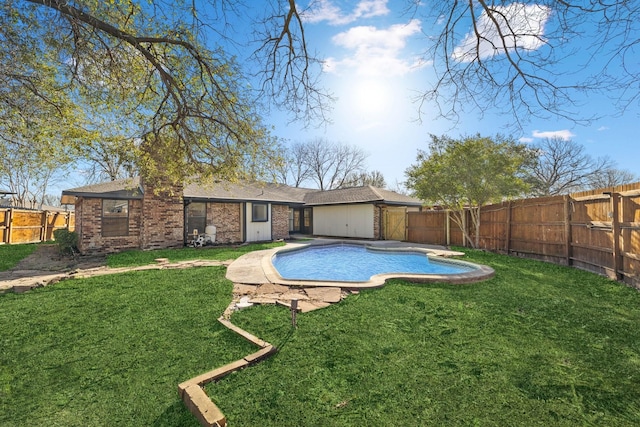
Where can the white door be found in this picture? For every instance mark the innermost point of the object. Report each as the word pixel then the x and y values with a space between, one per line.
pixel 258 222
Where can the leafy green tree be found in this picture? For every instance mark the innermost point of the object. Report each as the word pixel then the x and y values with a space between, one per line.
pixel 40 127
pixel 148 73
pixel 464 174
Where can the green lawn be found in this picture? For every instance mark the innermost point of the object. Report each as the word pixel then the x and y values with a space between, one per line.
pixel 10 255
pixel 536 345
pixel 223 253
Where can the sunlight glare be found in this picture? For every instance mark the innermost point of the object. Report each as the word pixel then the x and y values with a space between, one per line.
pixel 371 97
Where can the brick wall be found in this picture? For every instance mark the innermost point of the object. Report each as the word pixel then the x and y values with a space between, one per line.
pixel 89 228
pixel 227 218
pixel 376 222
pixel 157 221
pixel 163 224
pixel 279 222
pixel 163 213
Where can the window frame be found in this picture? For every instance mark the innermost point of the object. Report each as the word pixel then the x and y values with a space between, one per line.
pixel 114 224
pixel 255 217
pixel 200 219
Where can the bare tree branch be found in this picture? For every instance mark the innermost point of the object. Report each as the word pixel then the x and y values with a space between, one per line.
pixel 493 54
pixel 563 167
pixel 288 71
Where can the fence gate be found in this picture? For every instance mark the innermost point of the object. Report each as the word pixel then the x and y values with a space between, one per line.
pixel 395 224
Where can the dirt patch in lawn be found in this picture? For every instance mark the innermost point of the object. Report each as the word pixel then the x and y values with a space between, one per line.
pixel 47 265
pixel 49 258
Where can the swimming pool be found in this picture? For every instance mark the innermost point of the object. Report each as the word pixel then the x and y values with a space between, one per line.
pixel 360 263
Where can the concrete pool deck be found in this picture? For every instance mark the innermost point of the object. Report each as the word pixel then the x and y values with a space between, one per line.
pixel 255 268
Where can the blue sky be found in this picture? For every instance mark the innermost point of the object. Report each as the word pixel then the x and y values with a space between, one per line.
pixel 373 67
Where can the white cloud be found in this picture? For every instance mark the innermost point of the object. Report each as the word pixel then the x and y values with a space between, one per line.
pixel 521 25
pixel 376 52
pixel 562 134
pixel 602 128
pixel 326 10
pixel 526 140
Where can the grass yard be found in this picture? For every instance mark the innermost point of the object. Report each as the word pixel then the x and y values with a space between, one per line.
pixel 223 253
pixel 536 345
pixel 111 350
pixel 10 255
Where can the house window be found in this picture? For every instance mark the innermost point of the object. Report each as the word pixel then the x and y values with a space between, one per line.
pixel 115 218
pixel 196 218
pixel 260 212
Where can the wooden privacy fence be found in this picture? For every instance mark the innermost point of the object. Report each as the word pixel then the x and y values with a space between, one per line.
pixel 596 230
pixel 27 226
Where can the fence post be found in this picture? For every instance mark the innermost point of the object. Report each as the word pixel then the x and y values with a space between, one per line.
pixel 508 226
pixel 9 225
pixel 5 229
pixel 43 228
pixel 567 230
pixel 615 229
pixel 406 224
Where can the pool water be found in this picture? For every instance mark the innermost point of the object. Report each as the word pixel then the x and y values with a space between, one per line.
pixel 351 263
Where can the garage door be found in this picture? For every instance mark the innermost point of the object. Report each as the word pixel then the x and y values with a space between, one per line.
pixel 343 221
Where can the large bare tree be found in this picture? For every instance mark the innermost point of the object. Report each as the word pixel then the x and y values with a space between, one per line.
pixel 611 178
pixel 328 164
pixel 27 170
pixel 361 179
pixel 563 166
pixel 294 169
pixel 331 163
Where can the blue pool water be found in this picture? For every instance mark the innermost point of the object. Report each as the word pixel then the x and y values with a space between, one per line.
pixel 351 263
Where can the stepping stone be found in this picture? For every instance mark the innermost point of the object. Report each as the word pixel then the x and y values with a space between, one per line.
pixel 272 288
pixel 325 294
pixel 273 296
pixel 242 289
pixel 300 295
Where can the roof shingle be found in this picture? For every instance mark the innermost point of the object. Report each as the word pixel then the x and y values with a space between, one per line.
pixel 257 191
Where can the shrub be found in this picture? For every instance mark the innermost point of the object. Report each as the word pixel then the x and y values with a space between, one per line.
pixel 67 241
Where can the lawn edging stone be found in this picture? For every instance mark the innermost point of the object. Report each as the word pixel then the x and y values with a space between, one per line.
pixel 192 392
pixel 309 298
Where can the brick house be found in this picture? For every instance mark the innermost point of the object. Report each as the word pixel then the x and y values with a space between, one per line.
pixel 126 214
